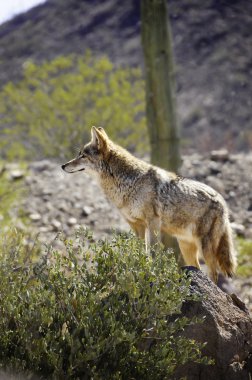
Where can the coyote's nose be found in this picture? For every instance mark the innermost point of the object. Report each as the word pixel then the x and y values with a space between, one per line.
pixel 63 166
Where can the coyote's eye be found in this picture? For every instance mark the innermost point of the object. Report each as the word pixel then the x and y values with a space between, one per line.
pixel 81 154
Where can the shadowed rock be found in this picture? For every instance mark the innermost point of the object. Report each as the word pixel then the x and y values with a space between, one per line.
pixel 226 327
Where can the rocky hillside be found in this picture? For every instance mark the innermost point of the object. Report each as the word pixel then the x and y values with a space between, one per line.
pixel 57 201
pixel 212 44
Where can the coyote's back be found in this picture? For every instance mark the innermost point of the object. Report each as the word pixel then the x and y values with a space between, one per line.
pixel 153 200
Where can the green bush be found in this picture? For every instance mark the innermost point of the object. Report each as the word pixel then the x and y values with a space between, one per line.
pixel 99 311
pixel 10 194
pixel 50 112
pixel 244 268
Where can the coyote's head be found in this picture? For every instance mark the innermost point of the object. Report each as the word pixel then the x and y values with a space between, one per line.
pixel 92 154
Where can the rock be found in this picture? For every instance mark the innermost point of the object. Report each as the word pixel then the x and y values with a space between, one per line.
pixel 226 328
pixel 239 229
pixel 63 206
pixel 232 194
pixel 86 210
pixel 47 191
pixel 16 174
pixel 29 180
pixel 215 183
pixel 221 155
pixel 77 195
pixel 214 167
pixel 35 217
pixel 49 207
pixel 44 229
pixel 45 219
pixel 9 166
pixel 40 166
pixel 72 221
pixel 56 225
pixel 78 205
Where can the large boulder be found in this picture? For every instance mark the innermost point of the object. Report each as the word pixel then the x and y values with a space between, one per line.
pixel 227 329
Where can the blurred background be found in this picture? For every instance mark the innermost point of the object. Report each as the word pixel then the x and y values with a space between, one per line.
pixel 49 91
pixel 70 64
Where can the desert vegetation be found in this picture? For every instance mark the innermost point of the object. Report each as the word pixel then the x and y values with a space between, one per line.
pixel 50 111
pixel 100 310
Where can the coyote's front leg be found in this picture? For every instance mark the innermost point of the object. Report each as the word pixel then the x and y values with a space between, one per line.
pixel 152 234
pixel 138 228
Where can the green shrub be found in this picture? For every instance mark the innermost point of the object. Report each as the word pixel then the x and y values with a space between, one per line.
pixel 50 112
pixel 10 194
pixel 244 268
pixel 100 311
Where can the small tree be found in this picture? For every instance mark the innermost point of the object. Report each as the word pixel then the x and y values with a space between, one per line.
pixel 50 111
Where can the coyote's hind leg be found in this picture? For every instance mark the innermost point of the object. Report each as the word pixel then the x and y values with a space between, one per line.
pixel 210 258
pixel 189 252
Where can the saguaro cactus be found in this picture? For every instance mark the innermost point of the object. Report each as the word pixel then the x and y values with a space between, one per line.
pixel 160 84
pixel 160 91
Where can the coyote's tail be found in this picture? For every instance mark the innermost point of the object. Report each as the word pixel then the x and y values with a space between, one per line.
pixel 225 253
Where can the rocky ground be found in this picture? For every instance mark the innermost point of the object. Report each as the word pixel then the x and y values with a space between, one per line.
pixel 57 201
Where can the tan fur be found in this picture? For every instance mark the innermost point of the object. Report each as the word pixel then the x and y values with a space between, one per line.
pixel 153 200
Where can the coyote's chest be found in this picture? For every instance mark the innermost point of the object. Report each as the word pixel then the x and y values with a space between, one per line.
pixel 124 196
pixel 114 192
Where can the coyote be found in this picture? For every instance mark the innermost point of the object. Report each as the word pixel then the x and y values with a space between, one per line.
pixel 153 200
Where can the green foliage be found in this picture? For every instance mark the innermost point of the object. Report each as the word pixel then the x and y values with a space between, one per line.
pixel 100 311
pixel 244 268
pixel 10 193
pixel 50 112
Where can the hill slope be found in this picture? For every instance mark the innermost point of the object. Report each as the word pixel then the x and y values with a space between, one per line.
pixel 212 44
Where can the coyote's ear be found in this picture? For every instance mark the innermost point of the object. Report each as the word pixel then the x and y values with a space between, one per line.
pixel 100 129
pixel 99 138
